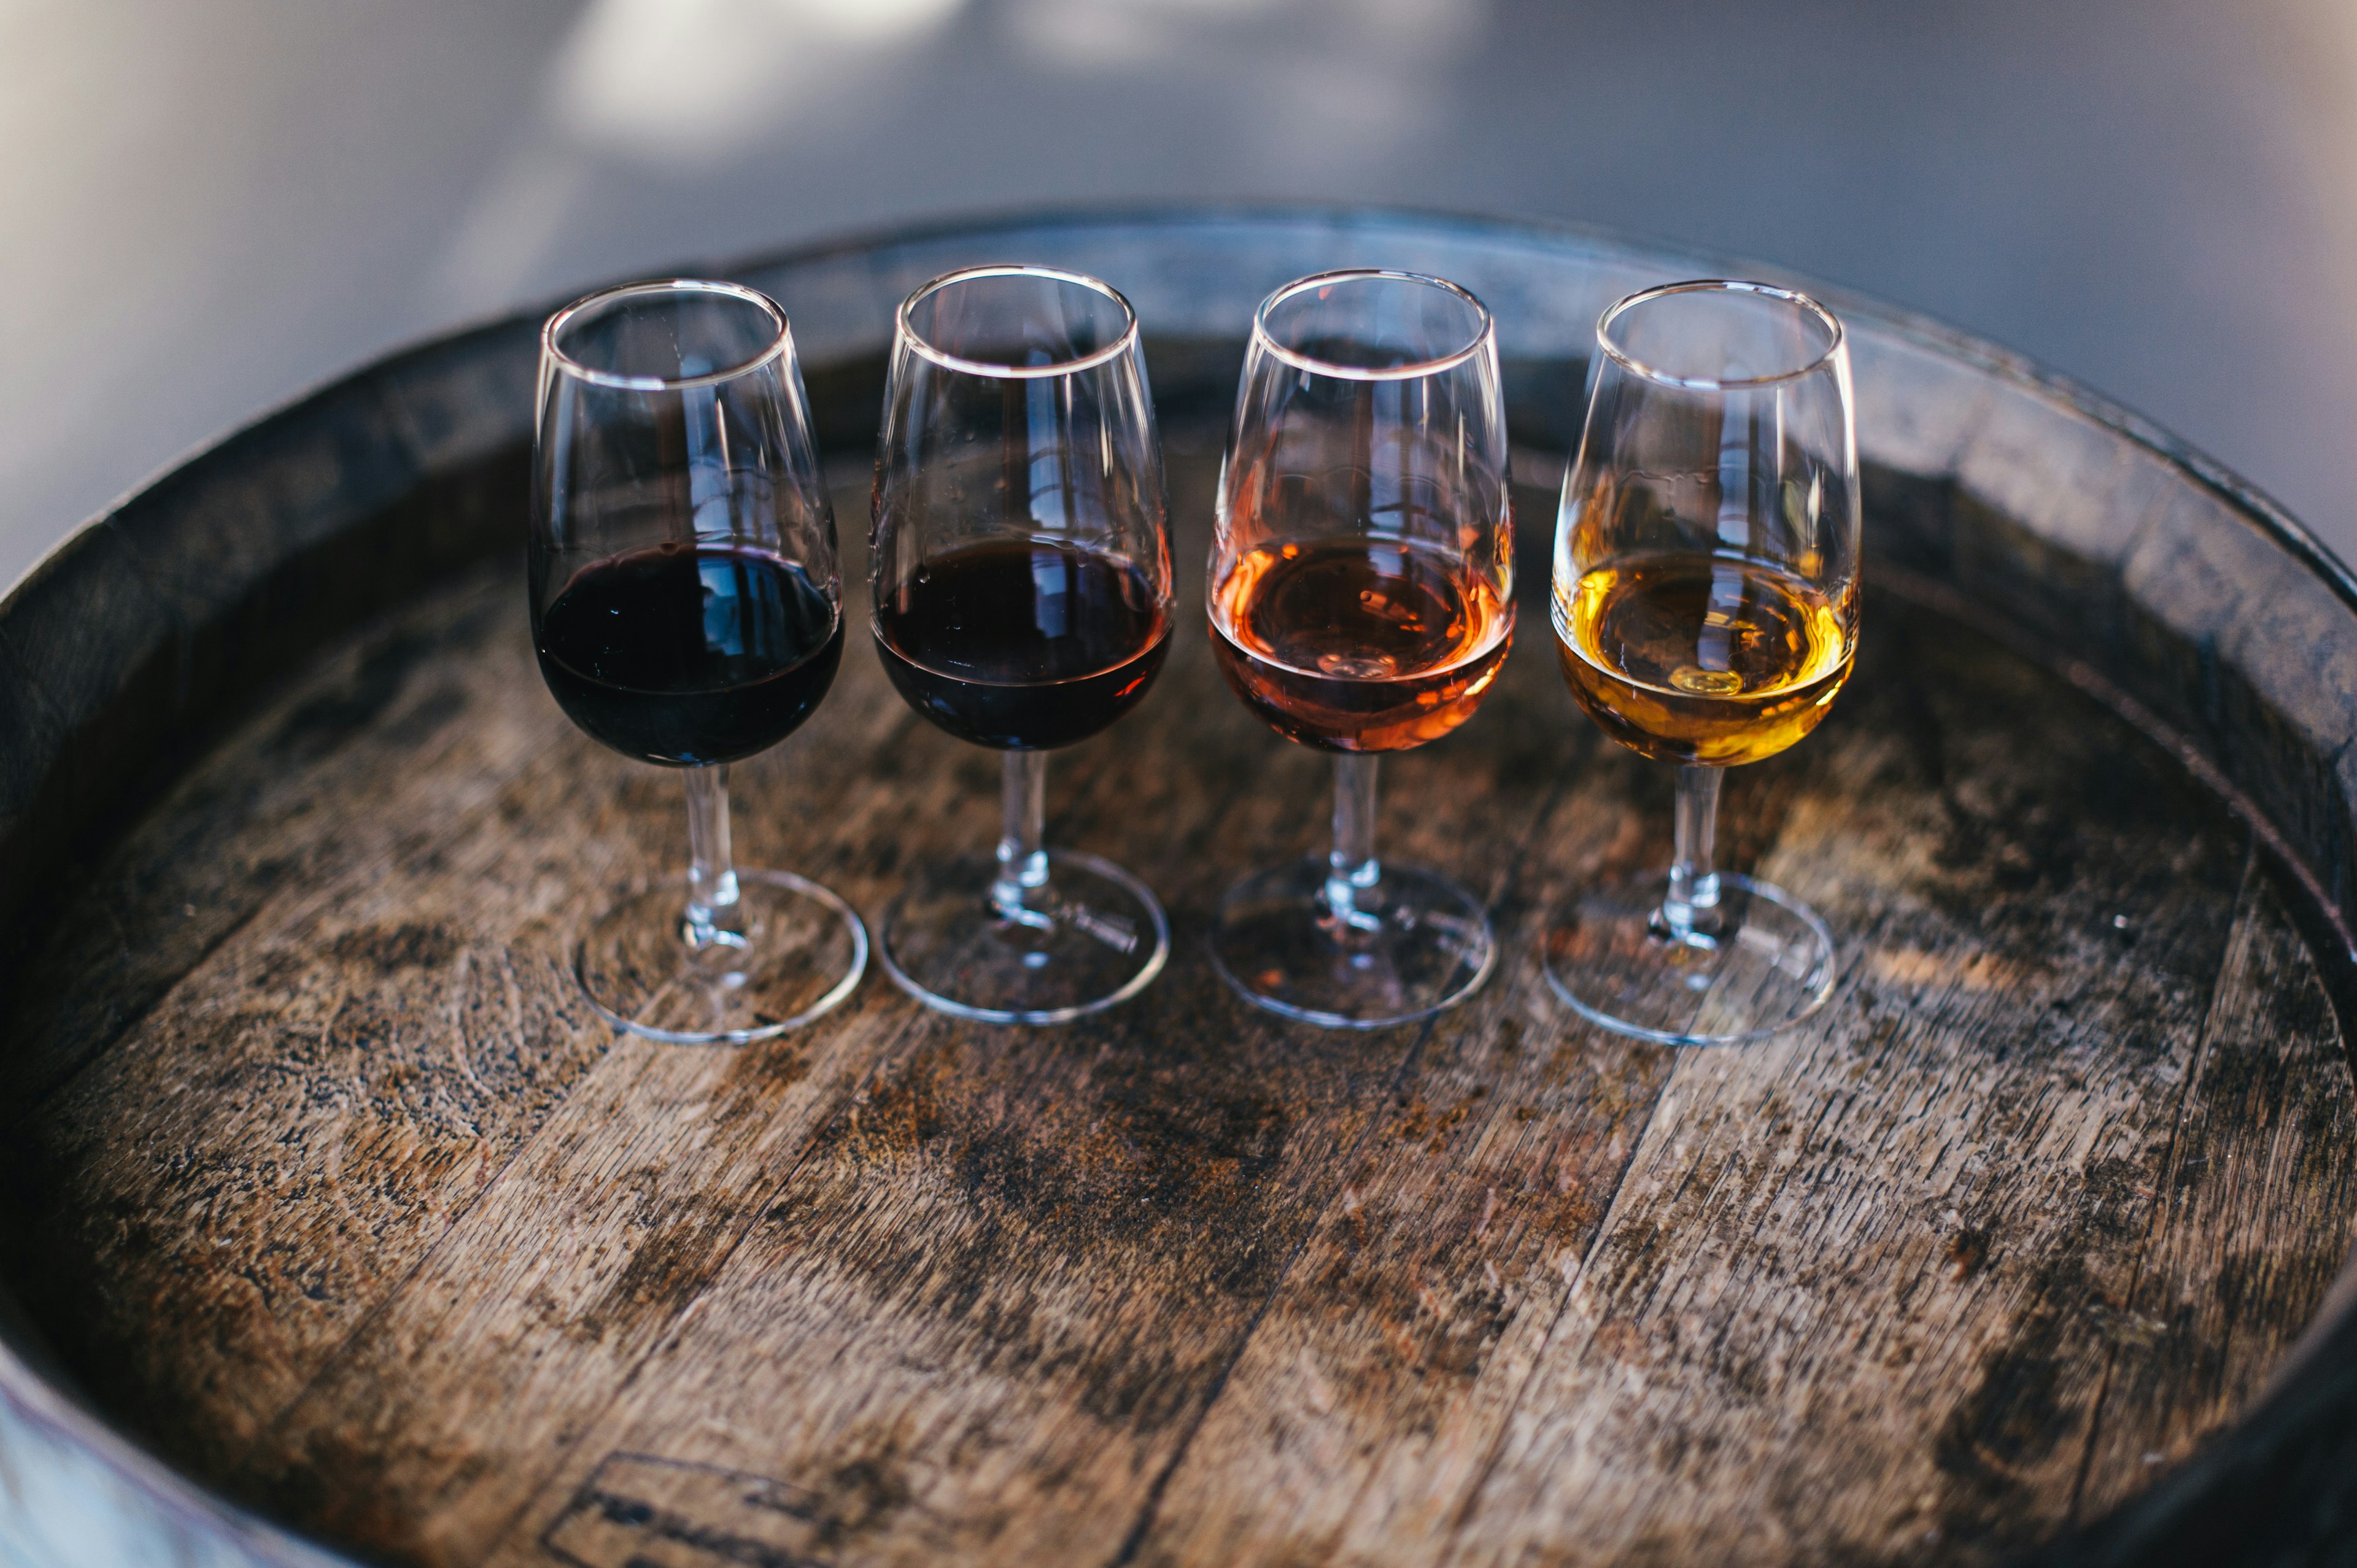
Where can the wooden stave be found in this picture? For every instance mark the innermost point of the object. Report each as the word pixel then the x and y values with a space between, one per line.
pixel 1980 515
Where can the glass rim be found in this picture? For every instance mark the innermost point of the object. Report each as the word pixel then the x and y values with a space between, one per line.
pixel 927 349
pixel 779 342
pixel 1836 335
pixel 1262 338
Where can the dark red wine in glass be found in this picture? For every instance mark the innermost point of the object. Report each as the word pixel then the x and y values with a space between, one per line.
pixel 1023 645
pixel 690 655
pixel 687 611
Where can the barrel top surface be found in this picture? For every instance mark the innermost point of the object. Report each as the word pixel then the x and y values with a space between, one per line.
pixel 332 1194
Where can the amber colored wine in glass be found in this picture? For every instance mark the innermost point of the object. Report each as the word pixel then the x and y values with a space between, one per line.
pixel 1362 602
pixel 1351 646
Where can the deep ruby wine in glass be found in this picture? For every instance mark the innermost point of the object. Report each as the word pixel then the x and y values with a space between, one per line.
pixel 688 612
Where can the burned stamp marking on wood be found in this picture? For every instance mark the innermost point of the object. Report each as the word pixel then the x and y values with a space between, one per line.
pixel 636 1508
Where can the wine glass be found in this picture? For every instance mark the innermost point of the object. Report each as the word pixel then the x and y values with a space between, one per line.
pixel 687 612
pixel 1706 600
pixel 1021 579
pixel 1362 601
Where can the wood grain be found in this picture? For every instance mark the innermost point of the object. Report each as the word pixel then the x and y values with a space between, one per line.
pixel 2254 1217
pixel 337 1196
pixel 262 1151
pixel 1157 1171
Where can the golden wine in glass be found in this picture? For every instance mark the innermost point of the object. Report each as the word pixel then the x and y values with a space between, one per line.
pixel 1692 659
pixel 1705 611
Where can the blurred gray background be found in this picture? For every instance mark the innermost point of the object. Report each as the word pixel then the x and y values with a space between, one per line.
pixel 205 209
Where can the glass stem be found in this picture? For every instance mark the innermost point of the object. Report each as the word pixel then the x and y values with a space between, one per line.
pixel 1023 821
pixel 714 913
pixel 1351 868
pixel 1691 909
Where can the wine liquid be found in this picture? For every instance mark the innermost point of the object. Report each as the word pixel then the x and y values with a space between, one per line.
pixel 1703 659
pixel 1023 644
pixel 690 654
pixel 1359 644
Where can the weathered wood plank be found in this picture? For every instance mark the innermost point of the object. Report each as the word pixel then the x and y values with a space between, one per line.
pixel 424 718
pixel 998 1294
pixel 1838 1309
pixel 2254 1218
pixel 223 1189
pixel 360 1048
pixel 612 1218
pixel 1372 1390
pixel 515 1330
pixel 1006 1280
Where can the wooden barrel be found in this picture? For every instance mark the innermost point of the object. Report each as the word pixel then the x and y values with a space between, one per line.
pixel 338 1228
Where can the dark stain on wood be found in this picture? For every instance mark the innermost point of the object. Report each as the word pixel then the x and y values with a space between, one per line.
pixel 668 1268
pixel 390 950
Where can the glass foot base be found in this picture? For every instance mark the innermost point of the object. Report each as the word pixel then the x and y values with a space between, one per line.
pixel 1770 966
pixel 1421 944
pixel 803 950
pixel 1097 938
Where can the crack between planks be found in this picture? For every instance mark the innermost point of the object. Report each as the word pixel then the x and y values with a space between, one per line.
pixel 1462 1514
pixel 1134 1539
pixel 2245 899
